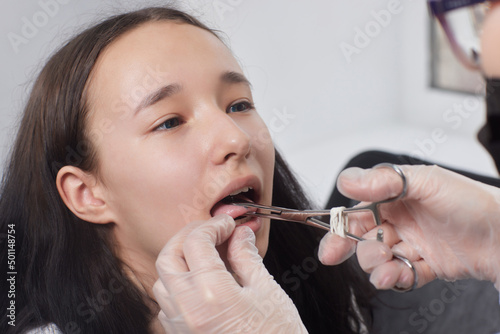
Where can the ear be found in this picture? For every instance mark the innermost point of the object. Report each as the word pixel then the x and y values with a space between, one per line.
pixel 82 193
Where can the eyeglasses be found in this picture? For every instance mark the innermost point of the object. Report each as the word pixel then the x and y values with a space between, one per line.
pixel 462 21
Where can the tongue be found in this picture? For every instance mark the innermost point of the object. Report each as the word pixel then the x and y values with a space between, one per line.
pixel 232 210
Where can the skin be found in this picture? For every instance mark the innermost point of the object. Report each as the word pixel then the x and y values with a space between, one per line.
pixel 490 48
pixel 166 163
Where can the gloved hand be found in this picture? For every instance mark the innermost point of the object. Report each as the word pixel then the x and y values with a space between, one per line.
pixel 447 225
pixel 197 294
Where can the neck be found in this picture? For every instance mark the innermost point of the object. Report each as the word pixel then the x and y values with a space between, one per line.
pixel 142 273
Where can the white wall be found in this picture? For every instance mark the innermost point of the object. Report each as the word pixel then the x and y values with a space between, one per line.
pixel 321 108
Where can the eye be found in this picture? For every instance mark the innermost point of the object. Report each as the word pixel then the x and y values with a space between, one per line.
pixel 240 106
pixel 170 124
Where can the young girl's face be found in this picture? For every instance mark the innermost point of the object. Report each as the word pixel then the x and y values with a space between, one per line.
pixel 173 123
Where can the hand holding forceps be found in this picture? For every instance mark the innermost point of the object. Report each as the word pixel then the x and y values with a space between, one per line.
pixel 307 217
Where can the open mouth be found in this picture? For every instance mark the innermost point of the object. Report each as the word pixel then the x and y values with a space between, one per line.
pixel 246 194
pixel 224 206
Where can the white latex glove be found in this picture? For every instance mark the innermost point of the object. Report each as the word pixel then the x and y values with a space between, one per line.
pixel 447 225
pixel 197 294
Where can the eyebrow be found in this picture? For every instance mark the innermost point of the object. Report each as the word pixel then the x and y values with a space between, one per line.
pixel 234 78
pixel 158 95
pixel 229 77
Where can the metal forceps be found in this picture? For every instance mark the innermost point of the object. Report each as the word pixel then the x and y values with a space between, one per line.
pixel 307 217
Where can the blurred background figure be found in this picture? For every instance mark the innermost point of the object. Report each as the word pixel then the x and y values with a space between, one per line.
pixel 446 201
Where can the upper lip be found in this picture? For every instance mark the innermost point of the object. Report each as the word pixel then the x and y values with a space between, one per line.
pixel 251 181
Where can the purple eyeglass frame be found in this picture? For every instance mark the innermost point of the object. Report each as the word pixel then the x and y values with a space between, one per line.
pixel 439 8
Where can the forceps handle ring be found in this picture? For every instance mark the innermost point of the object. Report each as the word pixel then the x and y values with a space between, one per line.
pixel 412 267
pixel 400 172
pixel 373 207
pixel 380 237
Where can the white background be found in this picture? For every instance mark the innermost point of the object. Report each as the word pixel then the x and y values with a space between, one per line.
pixel 322 106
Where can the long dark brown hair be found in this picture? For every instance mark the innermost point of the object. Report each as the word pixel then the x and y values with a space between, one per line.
pixel 67 272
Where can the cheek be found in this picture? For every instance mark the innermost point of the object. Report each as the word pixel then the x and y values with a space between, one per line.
pixel 262 239
pixel 266 156
pixel 151 191
pixel 263 144
pixel 149 169
pixel 261 138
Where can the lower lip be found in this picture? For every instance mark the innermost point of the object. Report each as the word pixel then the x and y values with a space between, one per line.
pixel 254 224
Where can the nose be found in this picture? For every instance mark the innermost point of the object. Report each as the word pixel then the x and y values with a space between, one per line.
pixel 228 141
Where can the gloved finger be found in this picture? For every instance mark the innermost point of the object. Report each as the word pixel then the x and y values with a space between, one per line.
pixel 396 273
pixel 409 252
pixel 173 324
pixel 362 222
pixel 199 246
pixel 171 257
pixel 172 269
pixel 425 273
pixel 370 184
pixel 163 319
pixel 372 254
pixel 390 235
pixel 192 295
pixel 407 276
pixel 165 323
pixel 334 249
pixel 244 258
pixel 163 299
pixel 386 275
pixel 386 271
pixel 204 269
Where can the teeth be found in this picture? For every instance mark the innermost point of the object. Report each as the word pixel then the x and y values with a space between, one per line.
pixel 242 190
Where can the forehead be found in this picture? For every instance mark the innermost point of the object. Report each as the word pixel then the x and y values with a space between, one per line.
pixel 167 37
pixel 159 52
